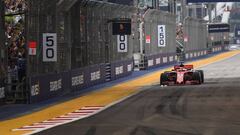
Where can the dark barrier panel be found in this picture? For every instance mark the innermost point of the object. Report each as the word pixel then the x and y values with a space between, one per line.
pixel 52 85
pixel 194 54
pixel 160 60
pixel 121 68
pixel 78 79
pixel 48 86
pixel 95 74
pixel 219 48
pixel 66 82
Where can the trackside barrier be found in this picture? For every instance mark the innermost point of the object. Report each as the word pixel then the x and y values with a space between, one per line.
pixel 121 69
pixel 160 60
pixel 219 48
pixel 48 86
pixel 201 53
pixel 189 55
pixel 170 58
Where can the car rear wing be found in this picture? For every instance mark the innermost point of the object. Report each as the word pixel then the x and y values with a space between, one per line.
pixel 183 66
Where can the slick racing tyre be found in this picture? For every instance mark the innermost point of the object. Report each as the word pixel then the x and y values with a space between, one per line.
pixel 202 75
pixel 197 77
pixel 163 78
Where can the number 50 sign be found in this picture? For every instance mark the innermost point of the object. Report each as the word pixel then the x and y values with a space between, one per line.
pixel 49 47
pixel 161 35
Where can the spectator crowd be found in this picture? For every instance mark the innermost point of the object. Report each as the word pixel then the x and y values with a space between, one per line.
pixel 15 39
pixel 14 6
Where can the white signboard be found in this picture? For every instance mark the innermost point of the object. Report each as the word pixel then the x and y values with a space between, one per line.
pixel 49 47
pixel 122 43
pixel 161 35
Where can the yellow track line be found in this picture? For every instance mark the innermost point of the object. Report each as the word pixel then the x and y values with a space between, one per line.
pixel 98 98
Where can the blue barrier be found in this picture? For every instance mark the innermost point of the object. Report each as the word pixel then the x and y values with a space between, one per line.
pixel 48 86
pixel 44 87
pixel 160 60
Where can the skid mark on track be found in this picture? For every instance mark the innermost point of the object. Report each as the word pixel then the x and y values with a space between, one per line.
pixel 171 102
pixel 91 131
pixel 143 130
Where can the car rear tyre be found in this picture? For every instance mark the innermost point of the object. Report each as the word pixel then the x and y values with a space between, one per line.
pixel 163 78
pixel 202 75
pixel 197 77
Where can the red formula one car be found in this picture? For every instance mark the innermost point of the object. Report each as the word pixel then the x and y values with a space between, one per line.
pixel 182 74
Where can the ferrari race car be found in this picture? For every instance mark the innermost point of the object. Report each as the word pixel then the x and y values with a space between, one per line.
pixel 182 74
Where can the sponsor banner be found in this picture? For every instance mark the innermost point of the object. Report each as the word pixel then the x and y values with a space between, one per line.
pixel 187 56
pixel 171 58
pixel 165 59
pixel 218 28
pixel 161 35
pixel 35 89
pixel 119 70
pixel 49 47
pixel 158 61
pixel 95 75
pixel 78 80
pixel 150 63
pixel 55 85
pixel 129 67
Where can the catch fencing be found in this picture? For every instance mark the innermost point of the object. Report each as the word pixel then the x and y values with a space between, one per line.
pixel 87 51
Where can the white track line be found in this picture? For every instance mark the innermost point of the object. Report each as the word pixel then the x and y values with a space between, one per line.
pixel 84 112
pixel 81 114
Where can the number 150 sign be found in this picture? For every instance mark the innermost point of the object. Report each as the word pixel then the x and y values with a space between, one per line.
pixel 161 35
pixel 49 47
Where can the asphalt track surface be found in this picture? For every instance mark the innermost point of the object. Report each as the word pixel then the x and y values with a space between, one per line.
pixel 209 109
